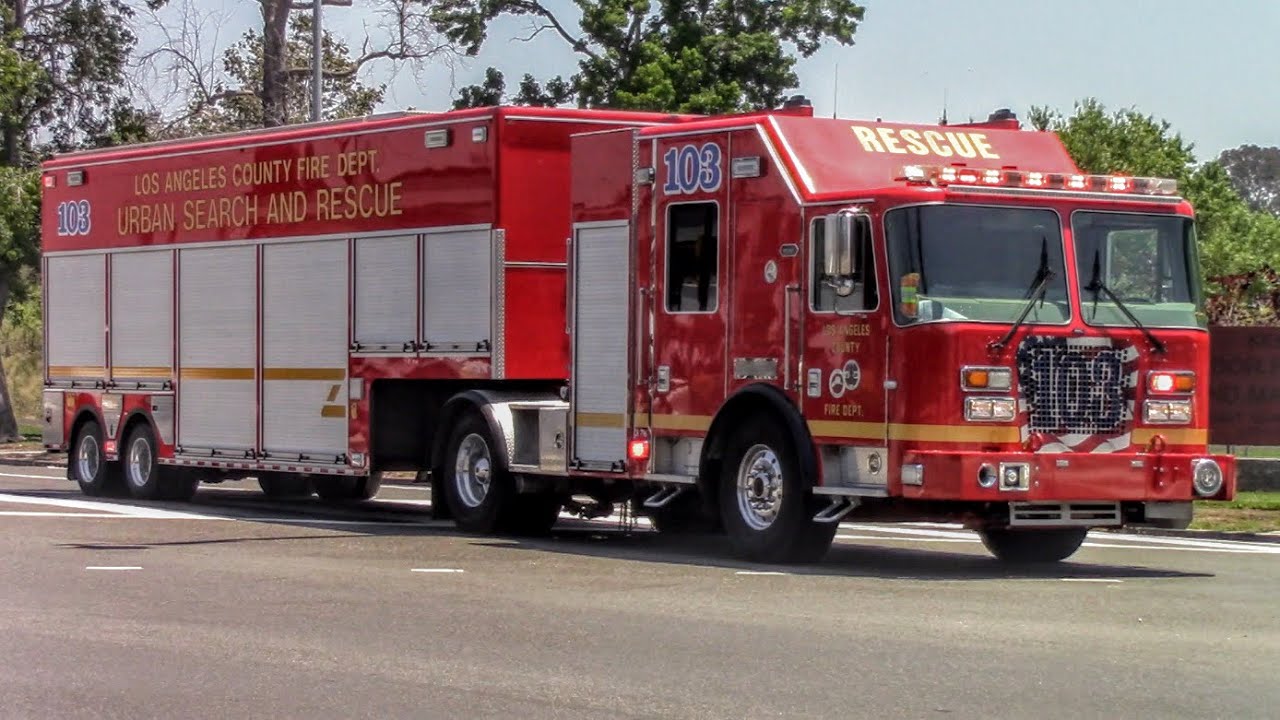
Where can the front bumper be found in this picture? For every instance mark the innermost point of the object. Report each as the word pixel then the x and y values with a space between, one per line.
pixel 1060 477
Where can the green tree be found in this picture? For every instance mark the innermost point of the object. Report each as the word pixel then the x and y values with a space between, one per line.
pixel 704 56
pixel 240 103
pixel 81 49
pixel 19 252
pixel 1255 174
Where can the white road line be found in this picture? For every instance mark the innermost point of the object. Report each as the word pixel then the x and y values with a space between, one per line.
pixel 760 572
pixel 37 513
pixel 919 532
pixel 113 567
pixel 1163 540
pixel 1091 580
pixel 437 570
pixel 882 538
pixel 118 509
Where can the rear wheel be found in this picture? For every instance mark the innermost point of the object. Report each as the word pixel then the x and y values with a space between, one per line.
pixel 145 477
pixel 1033 546
pixel 475 486
pixel 88 465
pixel 765 503
pixel 481 493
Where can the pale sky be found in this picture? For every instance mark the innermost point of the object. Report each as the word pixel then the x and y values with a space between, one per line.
pixel 1212 69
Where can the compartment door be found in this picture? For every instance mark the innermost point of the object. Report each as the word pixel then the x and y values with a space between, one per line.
pixel 601 289
pixel 217 336
pixel 304 351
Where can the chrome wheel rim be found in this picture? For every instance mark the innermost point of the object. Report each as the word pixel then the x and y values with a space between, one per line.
pixel 139 463
pixel 760 487
pixel 88 458
pixel 472 470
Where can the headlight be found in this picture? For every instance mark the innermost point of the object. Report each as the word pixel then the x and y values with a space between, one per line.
pixel 1167 412
pixel 1206 476
pixel 985 409
pixel 986 378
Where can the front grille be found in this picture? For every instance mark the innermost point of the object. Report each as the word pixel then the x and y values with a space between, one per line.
pixel 1087 514
pixel 1074 388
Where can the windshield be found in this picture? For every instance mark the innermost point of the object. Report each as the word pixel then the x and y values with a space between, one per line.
pixel 958 262
pixel 1148 261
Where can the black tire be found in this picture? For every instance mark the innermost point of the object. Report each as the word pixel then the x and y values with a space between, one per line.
pixel 282 486
pixel 477 488
pixel 781 528
pixel 1033 546
pixel 87 463
pixel 348 489
pixel 145 477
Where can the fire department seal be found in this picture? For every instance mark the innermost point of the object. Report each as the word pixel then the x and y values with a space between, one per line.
pixel 835 383
pixel 770 272
pixel 852 375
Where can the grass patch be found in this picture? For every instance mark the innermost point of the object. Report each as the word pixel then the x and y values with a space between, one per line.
pixel 1249 512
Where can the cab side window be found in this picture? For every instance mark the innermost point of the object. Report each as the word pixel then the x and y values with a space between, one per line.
pixel 823 295
pixel 692 257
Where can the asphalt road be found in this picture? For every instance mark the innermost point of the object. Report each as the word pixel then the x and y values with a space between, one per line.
pixel 234 606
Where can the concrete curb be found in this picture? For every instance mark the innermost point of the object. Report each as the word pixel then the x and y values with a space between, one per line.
pixel 36 460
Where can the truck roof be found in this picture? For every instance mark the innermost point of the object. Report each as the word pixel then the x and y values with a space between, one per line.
pixel 370 123
pixel 829 157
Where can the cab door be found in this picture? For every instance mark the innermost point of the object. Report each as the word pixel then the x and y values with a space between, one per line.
pixel 690 294
pixel 846 351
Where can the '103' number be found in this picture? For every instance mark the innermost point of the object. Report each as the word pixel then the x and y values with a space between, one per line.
pixel 73 218
pixel 691 169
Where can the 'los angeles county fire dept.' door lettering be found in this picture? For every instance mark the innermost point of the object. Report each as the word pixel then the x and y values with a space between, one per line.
pixel 692 169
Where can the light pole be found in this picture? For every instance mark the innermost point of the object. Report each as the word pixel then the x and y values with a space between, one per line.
pixel 317 57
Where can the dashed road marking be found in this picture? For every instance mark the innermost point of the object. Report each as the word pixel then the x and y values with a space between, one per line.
pixel 437 570
pixel 760 572
pixel 113 567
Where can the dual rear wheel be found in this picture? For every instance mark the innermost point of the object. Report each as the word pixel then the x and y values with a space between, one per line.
pixel 138 472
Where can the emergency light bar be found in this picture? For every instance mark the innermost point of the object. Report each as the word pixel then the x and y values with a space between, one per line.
pixel 944 175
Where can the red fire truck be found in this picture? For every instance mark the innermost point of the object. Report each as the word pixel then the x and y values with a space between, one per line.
pixel 762 323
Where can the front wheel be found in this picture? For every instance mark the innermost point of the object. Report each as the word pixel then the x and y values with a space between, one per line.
pixel 1033 546
pixel 765 503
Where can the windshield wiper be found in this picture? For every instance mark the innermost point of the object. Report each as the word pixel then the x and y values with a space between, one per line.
pixel 1096 285
pixel 1039 287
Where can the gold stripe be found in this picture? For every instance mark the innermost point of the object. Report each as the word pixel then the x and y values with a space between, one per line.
pixel 915 433
pixel 333 393
pixel 955 433
pixel 843 429
pixel 304 373
pixel 208 373
pixel 333 411
pixel 599 420
pixel 1172 436
pixel 681 422
pixel 162 373
pixel 76 371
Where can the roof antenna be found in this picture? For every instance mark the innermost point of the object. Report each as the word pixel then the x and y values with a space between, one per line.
pixel 944 107
pixel 835 104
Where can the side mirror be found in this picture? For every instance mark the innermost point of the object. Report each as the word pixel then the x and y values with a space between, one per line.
pixel 843 234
